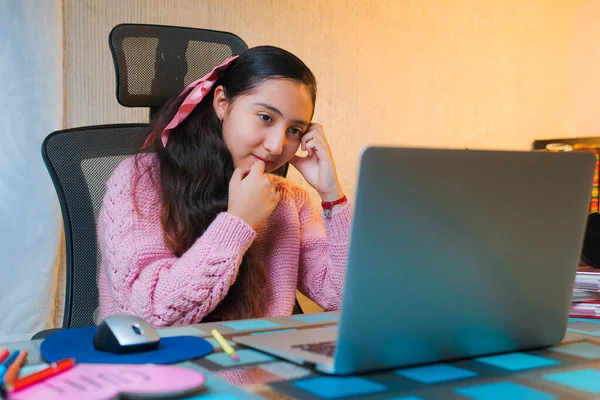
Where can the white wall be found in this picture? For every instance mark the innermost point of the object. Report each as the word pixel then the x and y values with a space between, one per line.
pixel 31 106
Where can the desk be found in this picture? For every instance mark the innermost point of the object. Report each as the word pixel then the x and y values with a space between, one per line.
pixel 540 374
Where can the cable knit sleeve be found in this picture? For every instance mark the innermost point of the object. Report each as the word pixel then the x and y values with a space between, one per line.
pixel 323 254
pixel 144 276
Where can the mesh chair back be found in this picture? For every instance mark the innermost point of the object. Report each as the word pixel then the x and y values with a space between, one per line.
pixel 80 161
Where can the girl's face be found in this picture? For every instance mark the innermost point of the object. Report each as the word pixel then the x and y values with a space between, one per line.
pixel 265 124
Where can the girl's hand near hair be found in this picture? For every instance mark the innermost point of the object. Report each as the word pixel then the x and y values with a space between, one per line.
pixel 317 167
pixel 252 196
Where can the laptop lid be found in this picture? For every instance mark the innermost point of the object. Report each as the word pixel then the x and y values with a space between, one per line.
pixel 459 253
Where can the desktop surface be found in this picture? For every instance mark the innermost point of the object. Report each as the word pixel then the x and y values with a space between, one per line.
pixel 570 370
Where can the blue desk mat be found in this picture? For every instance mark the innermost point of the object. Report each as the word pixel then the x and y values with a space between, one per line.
pixel 562 372
pixel 78 343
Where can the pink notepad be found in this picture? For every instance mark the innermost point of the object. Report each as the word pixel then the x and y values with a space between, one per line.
pixel 107 381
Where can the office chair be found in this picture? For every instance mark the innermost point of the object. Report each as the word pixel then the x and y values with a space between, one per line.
pixel 152 63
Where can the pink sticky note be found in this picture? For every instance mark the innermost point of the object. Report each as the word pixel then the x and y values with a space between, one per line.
pixel 106 381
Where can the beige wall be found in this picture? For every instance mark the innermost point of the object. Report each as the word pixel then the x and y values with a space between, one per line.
pixel 451 73
pixel 586 69
pixel 457 73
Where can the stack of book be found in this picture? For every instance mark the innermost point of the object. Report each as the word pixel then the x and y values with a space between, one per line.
pixel 586 295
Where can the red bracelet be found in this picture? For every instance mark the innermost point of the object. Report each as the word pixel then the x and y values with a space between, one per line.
pixel 328 205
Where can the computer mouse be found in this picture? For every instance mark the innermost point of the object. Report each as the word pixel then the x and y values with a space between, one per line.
pixel 124 333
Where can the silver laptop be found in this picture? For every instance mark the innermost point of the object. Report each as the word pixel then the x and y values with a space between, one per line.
pixel 454 254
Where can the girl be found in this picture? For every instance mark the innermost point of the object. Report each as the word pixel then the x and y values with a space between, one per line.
pixel 198 230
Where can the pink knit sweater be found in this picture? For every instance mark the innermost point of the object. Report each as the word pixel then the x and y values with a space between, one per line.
pixel 140 275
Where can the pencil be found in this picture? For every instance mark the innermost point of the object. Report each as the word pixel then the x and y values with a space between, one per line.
pixel 224 345
pixel 4 366
pixel 12 372
pixel 4 353
pixel 52 370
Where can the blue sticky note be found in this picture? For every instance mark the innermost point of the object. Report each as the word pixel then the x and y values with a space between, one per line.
pixel 587 380
pixel 595 333
pixel 246 356
pixel 585 350
pixel 216 344
pixel 332 387
pixel 436 373
pixel 216 396
pixel 316 318
pixel 517 361
pixel 503 391
pixel 286 370
pixel 269 332
pixel 584 328
pixel 250 325
pixel 406 398
pixel 180 331
pixel 586 320
pixel 584 332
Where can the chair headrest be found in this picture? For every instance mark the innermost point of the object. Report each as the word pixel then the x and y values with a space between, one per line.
pixel 154 63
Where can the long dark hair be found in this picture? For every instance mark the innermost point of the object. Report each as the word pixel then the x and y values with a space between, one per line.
pixel 195 167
